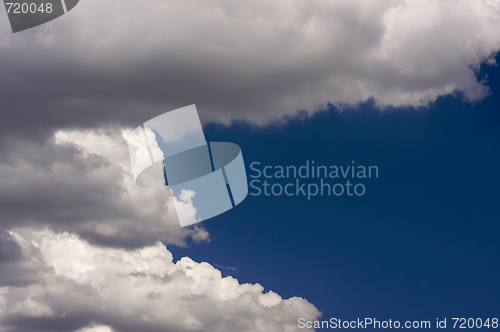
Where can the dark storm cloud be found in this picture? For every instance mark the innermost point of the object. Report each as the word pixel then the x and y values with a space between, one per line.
pixel 18 267
pixel 82 183
pixel 121 63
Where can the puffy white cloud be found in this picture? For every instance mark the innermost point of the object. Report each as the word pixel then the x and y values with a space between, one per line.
pixel 96 328
pixel 90 288
pixel 81 181
pixel 184 206
pixel 127 61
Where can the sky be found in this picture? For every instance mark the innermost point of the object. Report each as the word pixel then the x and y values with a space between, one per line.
pixel 411 87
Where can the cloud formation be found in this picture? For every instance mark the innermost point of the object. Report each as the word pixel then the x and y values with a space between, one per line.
pixel 83 287
pixel 123 62
pixel 81 182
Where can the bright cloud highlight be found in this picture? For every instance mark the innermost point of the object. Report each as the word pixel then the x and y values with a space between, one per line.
pixel 84 287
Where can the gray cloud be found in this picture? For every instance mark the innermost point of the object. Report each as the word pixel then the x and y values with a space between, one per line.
pixel 18 267
pixel 81 181
pixel 90 288
pixel 121 63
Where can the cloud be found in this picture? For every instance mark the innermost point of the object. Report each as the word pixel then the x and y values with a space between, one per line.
pixel 122 62
pixel 81 182
pixel 18 266
pixel 184 206
pixel 84 287
pixel 96 328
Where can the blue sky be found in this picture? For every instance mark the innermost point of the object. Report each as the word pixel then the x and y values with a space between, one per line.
pixel 422 243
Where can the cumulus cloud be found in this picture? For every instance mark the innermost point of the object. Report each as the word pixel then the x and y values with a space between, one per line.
pixel 84 288
pixel 96 328
pixel 81 181
pixel 116 61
